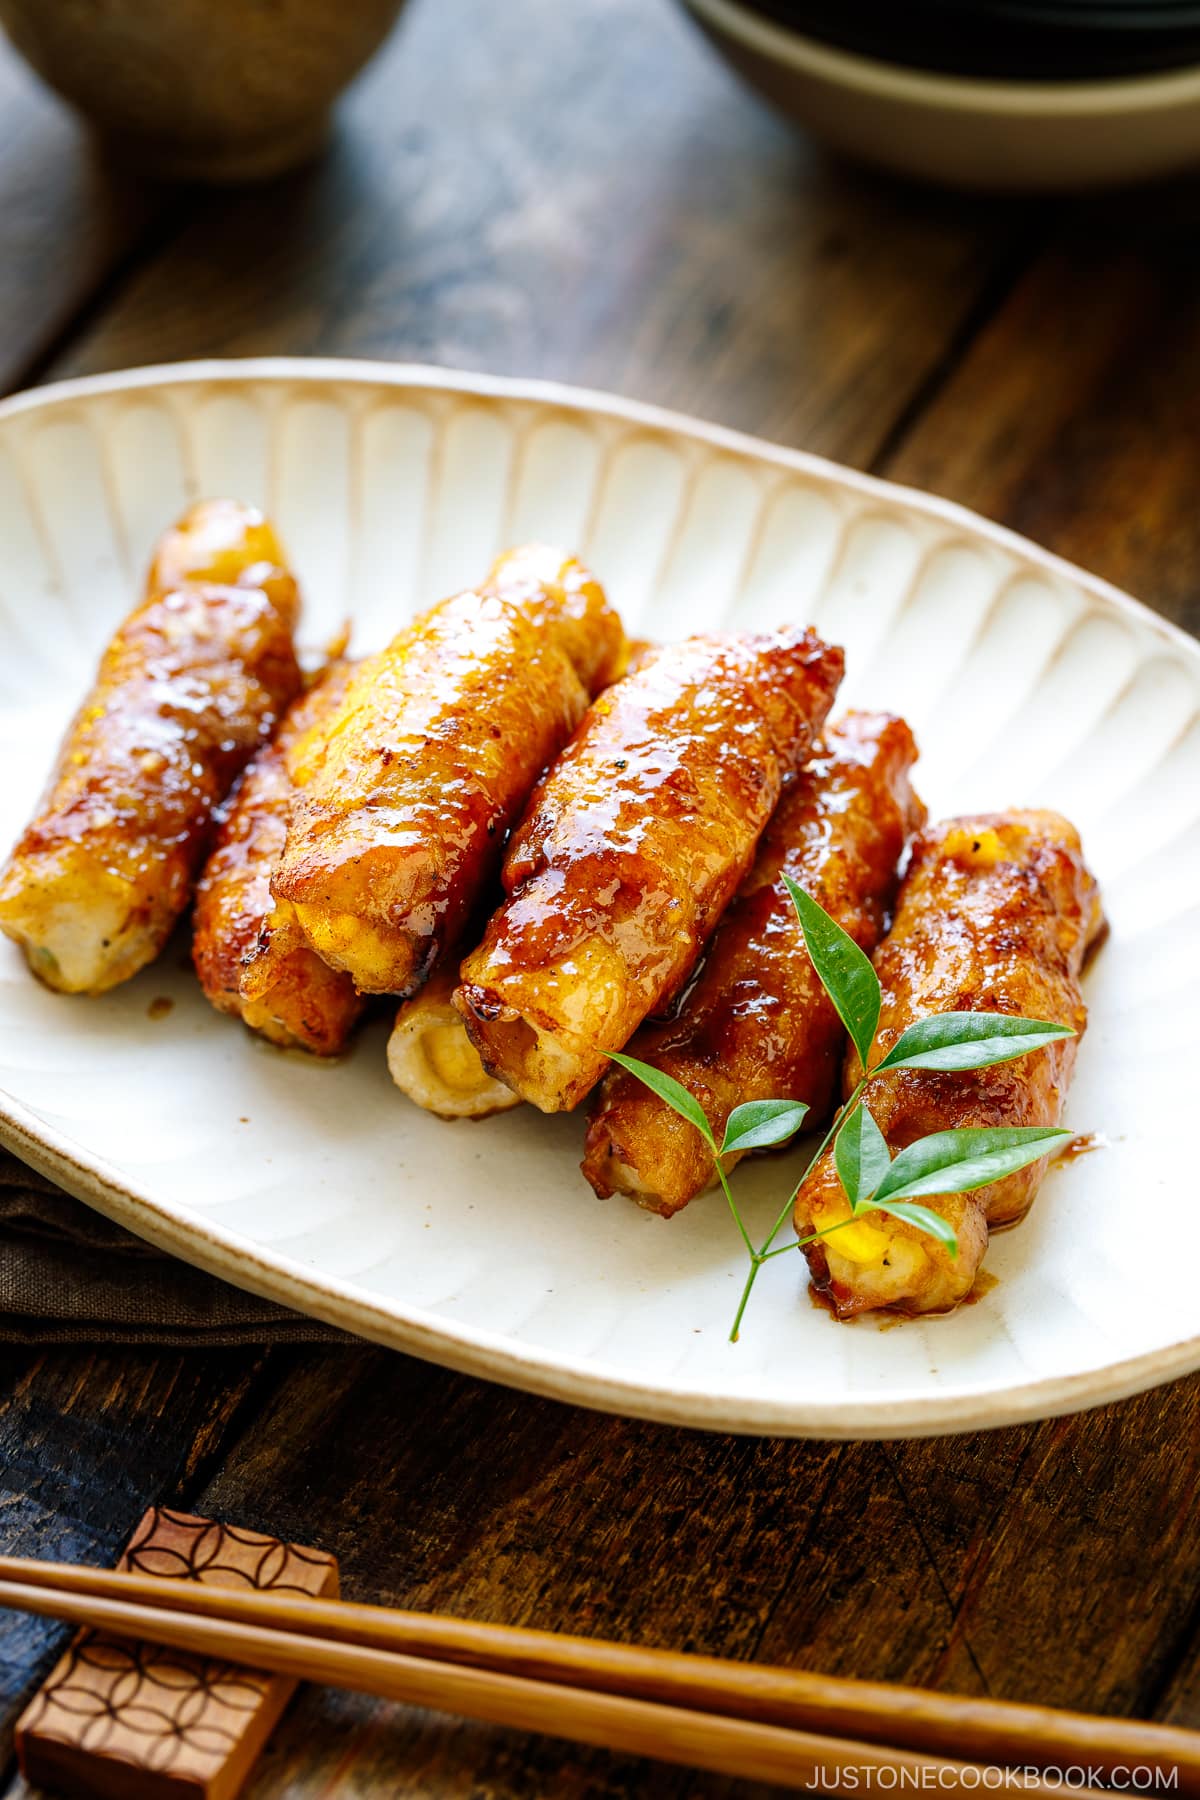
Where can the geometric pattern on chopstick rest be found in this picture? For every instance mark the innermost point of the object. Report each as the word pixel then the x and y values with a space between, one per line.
pixel 124 1717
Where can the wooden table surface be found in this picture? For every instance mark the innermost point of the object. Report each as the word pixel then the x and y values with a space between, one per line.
pixel 584 192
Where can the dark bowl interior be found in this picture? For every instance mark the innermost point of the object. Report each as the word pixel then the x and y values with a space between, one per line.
pixel 1018 40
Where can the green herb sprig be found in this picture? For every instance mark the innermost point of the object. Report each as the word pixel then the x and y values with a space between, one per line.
pixel 946 1162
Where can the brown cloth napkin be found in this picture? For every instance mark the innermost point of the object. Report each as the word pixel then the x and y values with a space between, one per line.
pixel 69 1276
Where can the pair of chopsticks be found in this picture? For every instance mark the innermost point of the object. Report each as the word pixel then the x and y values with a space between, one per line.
pixel 767 1724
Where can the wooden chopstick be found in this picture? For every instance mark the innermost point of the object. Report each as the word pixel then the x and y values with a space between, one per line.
pixel 617 1722
pixel 913 1718
pixel 785 1700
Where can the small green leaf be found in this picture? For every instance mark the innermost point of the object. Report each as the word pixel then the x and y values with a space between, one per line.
pixel 923 1218
pixel 958 1162
pixel 672 1091
pixel 969 1040
pixel 845 973
pixel 757 1123
pixel 861 1155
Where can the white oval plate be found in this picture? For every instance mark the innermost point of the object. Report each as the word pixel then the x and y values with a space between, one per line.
pixel 479 1245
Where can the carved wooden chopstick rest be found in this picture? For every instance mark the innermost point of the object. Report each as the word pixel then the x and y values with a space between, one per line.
pixel 139 1721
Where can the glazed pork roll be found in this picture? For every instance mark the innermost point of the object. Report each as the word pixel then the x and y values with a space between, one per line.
pixel 632 846
pixel 434 1062
pixel 253 960
pixel 408 791
pixel 756 1024
pixel 191 685
pixel 228 543
pixel 995 915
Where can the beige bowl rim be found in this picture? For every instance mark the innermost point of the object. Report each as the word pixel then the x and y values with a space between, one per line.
pixel 1124 95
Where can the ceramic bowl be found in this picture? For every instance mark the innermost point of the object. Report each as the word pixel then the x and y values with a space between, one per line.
pixel 963 131
pixel 208 90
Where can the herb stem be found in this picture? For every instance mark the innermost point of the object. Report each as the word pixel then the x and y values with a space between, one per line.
pixel 756 1262
pixel 759 1257
pixel 826 1231
pixel 842 1112
pixel 737 1217
pixel 765 1253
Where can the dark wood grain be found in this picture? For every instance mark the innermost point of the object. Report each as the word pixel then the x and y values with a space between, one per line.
pixel 997 1563
pixel 581 192
pixel 1073 415
pixel 67 226
pixel 1179 1703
